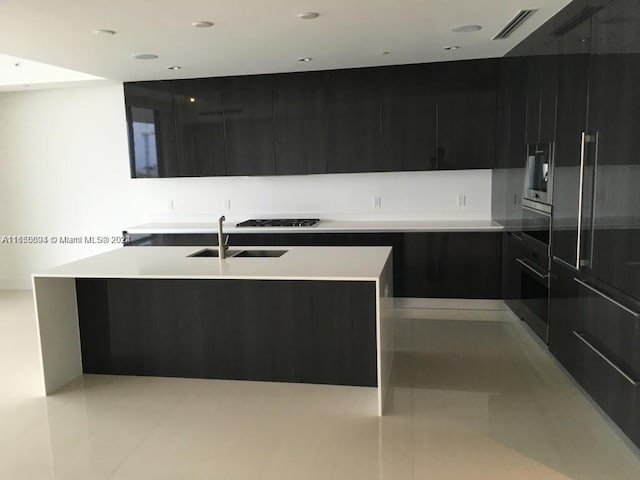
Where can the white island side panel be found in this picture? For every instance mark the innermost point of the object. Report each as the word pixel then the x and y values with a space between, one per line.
pixel 384 332
pixel 58 331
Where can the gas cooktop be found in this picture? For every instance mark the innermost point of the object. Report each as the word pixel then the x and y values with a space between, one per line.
pixel 279 222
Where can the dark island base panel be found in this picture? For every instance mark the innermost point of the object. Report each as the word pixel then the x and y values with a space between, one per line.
pixel 320 332
pixel 425 265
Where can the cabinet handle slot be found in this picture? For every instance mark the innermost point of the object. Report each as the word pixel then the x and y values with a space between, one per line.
pixel 565 263
pixel 586 339
pixel 608 298
pixel 534 270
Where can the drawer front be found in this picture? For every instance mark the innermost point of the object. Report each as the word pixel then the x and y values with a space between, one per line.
pixel 614 324
pixel 607 346
pixel 609 384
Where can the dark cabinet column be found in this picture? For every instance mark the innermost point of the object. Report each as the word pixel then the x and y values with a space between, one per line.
pixel 510 114
pixel 409 118
pixel 614 118
pixel 548 95
pixel 541 92
pixel 508 175
pixel 151 128
pixel 199 127
pixel 532 95
pixel 248 124
pixel 516 150
pixel 353 120
pixel 573 71
pixel 300 124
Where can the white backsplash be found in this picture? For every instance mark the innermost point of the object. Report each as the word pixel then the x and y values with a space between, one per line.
pixel 446 195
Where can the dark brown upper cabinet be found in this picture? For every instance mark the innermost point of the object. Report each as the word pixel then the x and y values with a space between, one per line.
pixel 467 99
pixel 409 112
pixel 541 95
pixel 299 115
pixel 397 118
pixel 248 125
pixel 352 99
pixel 151 129
pixel 199 127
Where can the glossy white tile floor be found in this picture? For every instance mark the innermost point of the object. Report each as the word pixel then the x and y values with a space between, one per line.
pixel 474 398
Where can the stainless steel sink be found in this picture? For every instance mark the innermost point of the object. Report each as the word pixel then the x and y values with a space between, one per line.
pixel 210 252
pixel 262 253
pixel 213 253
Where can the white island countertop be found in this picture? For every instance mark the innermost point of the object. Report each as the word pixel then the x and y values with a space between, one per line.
pixel 324 226
pixel 299 263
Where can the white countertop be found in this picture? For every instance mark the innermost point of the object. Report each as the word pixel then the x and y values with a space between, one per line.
pixel 299 263
pixel 326 226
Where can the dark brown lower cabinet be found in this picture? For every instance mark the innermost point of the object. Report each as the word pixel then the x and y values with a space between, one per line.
pixel 608 357
pixel 270 330
pixel 564 316
pixel 425 265
pixel 595 335
pixel 512 271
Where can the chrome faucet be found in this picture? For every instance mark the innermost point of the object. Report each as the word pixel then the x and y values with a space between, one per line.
pixel 223 242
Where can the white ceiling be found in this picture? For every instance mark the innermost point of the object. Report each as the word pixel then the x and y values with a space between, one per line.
pixel 254 36
pixel 16 71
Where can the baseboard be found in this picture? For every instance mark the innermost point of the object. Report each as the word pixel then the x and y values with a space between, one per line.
pixel 451 303
pixel 478 310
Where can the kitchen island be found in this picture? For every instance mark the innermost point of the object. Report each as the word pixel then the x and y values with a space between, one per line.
pixel 311 315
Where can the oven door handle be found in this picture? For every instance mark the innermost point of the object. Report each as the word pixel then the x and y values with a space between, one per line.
pixel 525 263
pixel 541 210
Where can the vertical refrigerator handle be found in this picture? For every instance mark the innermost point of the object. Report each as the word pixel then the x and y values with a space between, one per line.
pixel 584 140
pixel 596 140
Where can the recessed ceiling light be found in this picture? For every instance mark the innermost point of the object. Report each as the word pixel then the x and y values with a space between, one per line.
pixel 308 15
pixel 174 67
pixel 145 56
pixel 104 31
pixel 452 47
pixel 202 24
pixel 466 28
pixel 192 99
pixel 305 59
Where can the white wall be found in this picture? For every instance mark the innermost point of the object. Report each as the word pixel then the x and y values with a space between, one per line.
pixel 65 172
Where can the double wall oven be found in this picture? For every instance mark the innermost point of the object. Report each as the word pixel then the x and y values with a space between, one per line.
pixel 534 269
pixel 535 259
